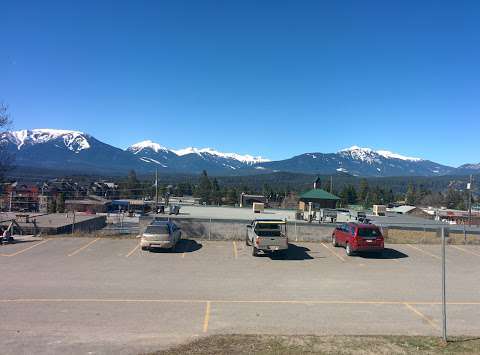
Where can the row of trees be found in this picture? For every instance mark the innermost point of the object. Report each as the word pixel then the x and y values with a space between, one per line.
pixel 211 191
pixel 415 195
pixel 366 195
pixel 6 159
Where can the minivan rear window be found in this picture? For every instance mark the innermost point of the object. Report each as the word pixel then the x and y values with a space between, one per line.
pixel 368 233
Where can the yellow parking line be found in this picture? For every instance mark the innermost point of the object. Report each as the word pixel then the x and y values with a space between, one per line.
pixel 333 252
pixel 313 302
pixel 465 250
pixel 207 317
pixel 183 255
pixel 421 315
pixel 83 247
pixel 424 252
pixel 23 250
pixel 235 253
pixel 408 304
pixel 133 250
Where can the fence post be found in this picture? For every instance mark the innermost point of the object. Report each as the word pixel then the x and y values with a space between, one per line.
pixel 210 229
pixel 296 235
pixel 444 304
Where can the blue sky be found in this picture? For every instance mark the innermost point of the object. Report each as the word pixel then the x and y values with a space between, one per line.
pixel 275 78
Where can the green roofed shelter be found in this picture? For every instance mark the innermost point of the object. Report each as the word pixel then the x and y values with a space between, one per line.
pixel 318 198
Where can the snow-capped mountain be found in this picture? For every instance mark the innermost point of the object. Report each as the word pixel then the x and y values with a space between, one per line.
pixel 360 162
pixel 66 150
pixel 153 153
pixel 248 159
pixel 467 169
pixel 77 151
pixel 188 159
pixel 73 140
pixel 80 152
pixel 369 155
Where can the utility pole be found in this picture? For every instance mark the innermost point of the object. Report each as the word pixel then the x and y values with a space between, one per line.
pixel 156 189
pixel 73 222
pixel 10 204
pixel 469 188
pixel 444 301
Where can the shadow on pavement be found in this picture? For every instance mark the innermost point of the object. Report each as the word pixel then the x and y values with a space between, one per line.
pixel 294 252
pixel 387 254
pixel 183 246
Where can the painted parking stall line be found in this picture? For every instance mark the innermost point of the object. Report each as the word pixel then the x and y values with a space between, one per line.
pixel 422 316
pixel 468 251
pixel 75 252
pixel 133 250
pixel 235 252
pixel 25 249
pixel 334 253
pixel 206 318
pixel 424 252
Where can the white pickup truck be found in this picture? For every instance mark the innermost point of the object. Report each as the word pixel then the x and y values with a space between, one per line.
pixel 267 236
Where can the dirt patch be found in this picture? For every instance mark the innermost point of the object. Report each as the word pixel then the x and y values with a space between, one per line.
pixel 365 345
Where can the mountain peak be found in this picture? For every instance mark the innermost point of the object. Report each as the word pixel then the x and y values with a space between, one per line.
pixel 246 158
pixel 74 140
pixel 367 153
pixel 147 144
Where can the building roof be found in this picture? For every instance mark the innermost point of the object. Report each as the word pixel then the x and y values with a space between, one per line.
pixel 318 194
pixel 402 209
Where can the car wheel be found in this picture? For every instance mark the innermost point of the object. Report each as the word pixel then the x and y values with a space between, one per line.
pixel 348 250
pixel 254 251
pixel 334 241
pixel 145 248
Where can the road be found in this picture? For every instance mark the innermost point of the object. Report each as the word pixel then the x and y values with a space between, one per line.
pixel 85 295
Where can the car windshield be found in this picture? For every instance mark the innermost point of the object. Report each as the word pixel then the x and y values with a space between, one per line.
pixel 368 232
pixel 157 230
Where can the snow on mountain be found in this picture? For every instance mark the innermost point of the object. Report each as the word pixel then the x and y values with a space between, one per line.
pixel 369 155
pixel 148 144
pixel 77 151
pixel 249 159
pixel 155 147
pixel 73 140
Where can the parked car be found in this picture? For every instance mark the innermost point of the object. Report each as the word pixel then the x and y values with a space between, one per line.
pixel 356 237
pixel 267 235
pixel 160 234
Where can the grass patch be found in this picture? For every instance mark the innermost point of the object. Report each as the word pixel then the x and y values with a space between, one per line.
pixel 365 345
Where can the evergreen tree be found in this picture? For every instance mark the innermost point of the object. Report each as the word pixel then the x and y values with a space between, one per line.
pixel 411 195
pixel 204 188
pixel 52 206
pixel 216 195
pixel 363 192
pixel 131 188
pixel 453 199
pixel 232 196
pixel 60 203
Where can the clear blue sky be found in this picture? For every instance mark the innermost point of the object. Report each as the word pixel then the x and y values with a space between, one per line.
pixel 276 78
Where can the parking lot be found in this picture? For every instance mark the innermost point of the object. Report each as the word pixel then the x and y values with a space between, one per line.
pixel 106 295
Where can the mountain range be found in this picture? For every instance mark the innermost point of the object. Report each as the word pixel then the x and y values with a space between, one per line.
pixel 78 152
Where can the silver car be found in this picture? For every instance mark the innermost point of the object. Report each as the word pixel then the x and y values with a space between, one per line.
pixel 160 234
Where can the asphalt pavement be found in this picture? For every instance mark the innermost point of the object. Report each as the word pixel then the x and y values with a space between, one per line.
pixel 86 295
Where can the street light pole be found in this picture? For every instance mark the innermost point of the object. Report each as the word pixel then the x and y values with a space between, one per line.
pixel 469 188
pixel 444 303
pixel 156 189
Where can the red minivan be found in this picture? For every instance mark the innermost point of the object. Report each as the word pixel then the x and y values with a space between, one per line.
pixel 357 237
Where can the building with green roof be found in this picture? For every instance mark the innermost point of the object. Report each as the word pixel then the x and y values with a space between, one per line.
pixel 318 198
